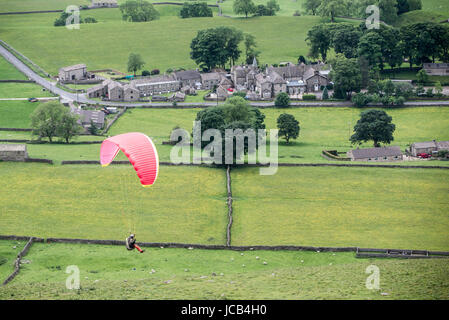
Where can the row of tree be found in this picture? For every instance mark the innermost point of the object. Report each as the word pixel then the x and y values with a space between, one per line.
pixel 194 10
pixel 388 9
pixel 248 7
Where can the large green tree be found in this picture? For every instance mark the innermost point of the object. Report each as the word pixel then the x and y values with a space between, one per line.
pixel 138 11
pixel 288 127
pixel 216 47
pixel 250 48
pixel 135 62
pixel 345 39
pixel 244 7
pixel 332 8
pixel 319 39
pixel 69 126
pixel 346 76
pixel 311 6
pixel 388 10
pixel 373 125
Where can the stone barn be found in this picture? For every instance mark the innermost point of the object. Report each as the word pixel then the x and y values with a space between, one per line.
pixel 72 73
pixel 13 152
pixel 376 154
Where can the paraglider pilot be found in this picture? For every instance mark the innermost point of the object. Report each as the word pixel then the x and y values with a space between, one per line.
pixel 130 243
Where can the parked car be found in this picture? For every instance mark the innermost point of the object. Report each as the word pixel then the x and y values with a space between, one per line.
pixel 32 100
pixel 424 155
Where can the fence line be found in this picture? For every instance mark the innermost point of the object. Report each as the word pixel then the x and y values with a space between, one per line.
pixel 20 255
pixel 229 202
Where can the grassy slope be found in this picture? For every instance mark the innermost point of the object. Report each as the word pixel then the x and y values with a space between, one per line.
pixel 107 272
pixel 37 5
pixel 342 207
pixel 16 114
pixel 115 39
pixel 22 90
pixel 8 254
pixel 185 205
pixel 9 72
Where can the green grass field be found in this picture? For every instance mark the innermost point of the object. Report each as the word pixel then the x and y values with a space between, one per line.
pixel 16 114
pixel 105 203
pixel 363 207
pixel 38 5
pixel 22 90
pixel 116 39
pixel 8 254
pixel 108 272
pixel 9 72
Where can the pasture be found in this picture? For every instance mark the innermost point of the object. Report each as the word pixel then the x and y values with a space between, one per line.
pixel 110 272
pixel 163 44
pixel 186 205
pixel 365 207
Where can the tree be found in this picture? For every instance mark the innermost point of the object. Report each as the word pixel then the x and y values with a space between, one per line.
pixel 236 113
pixel 332 8
pixel 273 6
pixel 138 11
pixel 46 119
pixel 388 10
pixel 215 47
pixel 438 89
pixel 325 94
pixel 373 125
pixel 346 76
pixel 282 100
pixel 135 62
pixel 288 127
pixel 250 48
pixel 244 7
pixel 199 9
pixel 345 38
pixel 311 6
pixel 69 126
pixel 422 77
pixel 319 41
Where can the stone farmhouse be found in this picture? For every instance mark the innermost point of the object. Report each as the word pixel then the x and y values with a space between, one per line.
pixel 149 86
pixel 376 154
pixel 13 152
pixel 76 73
pixel 429 147
pixel 436 69
pixel 114 91
pixel 104 4
pixel 190 78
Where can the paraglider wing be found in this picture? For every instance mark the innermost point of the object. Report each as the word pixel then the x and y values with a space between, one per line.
pixel 140 151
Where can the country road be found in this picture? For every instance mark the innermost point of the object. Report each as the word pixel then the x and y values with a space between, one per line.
pixel 81 98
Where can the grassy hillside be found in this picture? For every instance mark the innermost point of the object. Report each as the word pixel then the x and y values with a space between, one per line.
pixel 342 207
pixel 9 72
pixel 163 43
pixel 108 272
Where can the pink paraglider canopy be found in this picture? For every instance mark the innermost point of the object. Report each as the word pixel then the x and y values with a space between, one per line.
pixel 140 151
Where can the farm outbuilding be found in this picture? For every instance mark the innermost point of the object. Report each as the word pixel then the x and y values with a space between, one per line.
pixel 13 152
pixel 376 154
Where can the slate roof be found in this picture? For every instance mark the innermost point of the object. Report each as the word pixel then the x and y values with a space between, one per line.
pixel 187 75
pixel 376 152
pixel 74 67
pixel 425 144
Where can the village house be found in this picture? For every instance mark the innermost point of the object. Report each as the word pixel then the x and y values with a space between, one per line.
pixel 87 117
pixel 149 86
pixel 71 73
pixel 376 154
pixel 104 4
pixel 436 69
pixel 190 78
pixel 13 152
pixel 114 91
pixel 430 147
pixel 209 80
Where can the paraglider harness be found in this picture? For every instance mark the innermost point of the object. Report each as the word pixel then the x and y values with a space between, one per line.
pixel 130 243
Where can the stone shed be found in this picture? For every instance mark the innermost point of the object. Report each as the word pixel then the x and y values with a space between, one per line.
pixel 13 152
